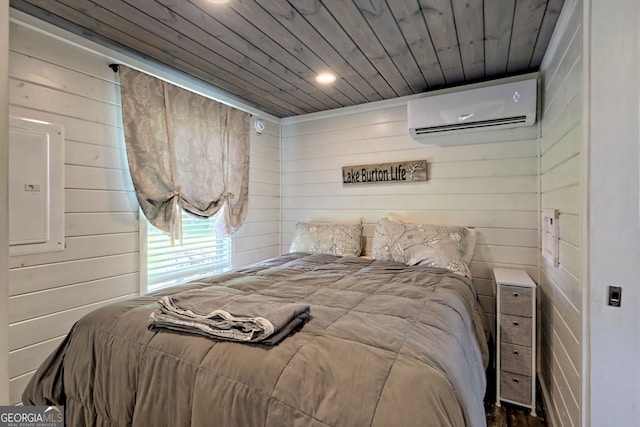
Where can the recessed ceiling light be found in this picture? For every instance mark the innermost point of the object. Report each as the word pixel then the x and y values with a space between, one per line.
pixel 218 1
pixel 326 78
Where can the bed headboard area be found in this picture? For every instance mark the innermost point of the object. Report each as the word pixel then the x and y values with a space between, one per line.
pixel 450 247
pixel 464 249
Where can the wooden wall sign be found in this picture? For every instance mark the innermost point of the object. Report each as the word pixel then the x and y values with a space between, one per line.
pixel 414 170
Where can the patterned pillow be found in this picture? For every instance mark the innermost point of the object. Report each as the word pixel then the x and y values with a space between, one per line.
pixel 327 238
pixel 470 240
pixel 424 244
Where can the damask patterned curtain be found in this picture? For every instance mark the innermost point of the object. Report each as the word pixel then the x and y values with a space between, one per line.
pixel 185 151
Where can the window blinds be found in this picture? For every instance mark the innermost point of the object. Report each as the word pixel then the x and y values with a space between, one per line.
pixel 202 253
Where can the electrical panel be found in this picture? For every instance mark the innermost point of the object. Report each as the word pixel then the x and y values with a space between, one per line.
pixel 36 186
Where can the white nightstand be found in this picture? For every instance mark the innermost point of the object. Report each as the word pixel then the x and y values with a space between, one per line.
pixel 516 338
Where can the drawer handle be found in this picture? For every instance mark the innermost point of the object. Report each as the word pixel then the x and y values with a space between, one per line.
pixel 516 381
pixel 515 353
pixel 516 295
pixel 516 324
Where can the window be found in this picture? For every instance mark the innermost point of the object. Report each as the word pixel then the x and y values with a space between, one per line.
pixel 202 253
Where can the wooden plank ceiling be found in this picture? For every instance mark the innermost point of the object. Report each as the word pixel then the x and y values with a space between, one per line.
pixel 268 52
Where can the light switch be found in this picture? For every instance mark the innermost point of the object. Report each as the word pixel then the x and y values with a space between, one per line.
pixel 615 296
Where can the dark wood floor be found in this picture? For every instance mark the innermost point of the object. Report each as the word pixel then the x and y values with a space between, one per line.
pixel 513 416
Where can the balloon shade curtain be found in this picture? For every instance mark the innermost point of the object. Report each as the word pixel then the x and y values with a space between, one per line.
pixel 185 151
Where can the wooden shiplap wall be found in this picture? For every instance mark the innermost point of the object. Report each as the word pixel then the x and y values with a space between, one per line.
pixel 50 81
pixel 561 188
pixel 4 187
pixel 492 186
pixel 54 81
pixel 259 236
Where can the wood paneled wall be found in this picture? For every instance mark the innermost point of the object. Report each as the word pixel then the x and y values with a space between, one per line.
pixel 259 237
pixel 492 186
pixel 4 212
pixel 54 81
pixel 561 188
pixel 50 81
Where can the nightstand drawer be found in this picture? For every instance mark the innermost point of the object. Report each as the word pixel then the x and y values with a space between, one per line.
pixel 515 358
pixel 515 387
pixel 516 352
pixel 515 330
pixel 516 300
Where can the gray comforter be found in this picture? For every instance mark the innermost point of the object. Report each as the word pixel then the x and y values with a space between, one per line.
pixel 386 345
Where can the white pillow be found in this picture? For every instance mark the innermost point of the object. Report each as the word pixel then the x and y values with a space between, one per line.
pixel 470 244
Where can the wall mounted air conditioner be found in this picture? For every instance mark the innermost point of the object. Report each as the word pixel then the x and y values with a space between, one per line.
pixel 499 105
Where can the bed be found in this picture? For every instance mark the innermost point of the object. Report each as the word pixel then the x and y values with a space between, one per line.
pixel 387 344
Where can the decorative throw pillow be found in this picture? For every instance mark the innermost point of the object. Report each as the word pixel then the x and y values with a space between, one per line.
pixel 424 244
pixel 470 239
pixel 327 238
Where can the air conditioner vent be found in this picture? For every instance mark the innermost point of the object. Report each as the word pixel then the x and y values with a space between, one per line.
pixel 503 104
pixel 472 125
